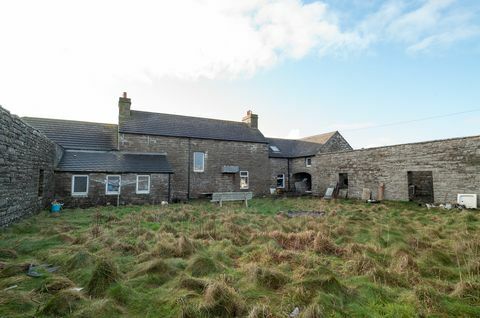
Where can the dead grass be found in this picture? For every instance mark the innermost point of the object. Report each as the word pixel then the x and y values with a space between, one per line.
pixel 200 260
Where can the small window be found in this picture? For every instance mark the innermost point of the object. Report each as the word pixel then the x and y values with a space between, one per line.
pixel 198 162
pixel 113 185
pixel 143 184
pixel 308 162
pixel 274 149
pixel 41 180
pixel 243 179
pixel 80 185
pixel 281 181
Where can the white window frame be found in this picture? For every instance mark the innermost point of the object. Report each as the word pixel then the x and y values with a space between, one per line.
pixel 306 162
pixel 79 194
pixel 119 185
pixel 203 162
pixel 283 181
pixel 143 191
pixel 246 175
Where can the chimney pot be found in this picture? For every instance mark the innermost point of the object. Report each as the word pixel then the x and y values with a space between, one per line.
pixel 124 94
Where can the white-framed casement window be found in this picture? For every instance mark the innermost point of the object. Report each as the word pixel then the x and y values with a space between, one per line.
pixel 281 181
pixel 308 162
pixel 80 185
pixel 198 162
pixel 112 185
pixel 143 184
pixel 243 179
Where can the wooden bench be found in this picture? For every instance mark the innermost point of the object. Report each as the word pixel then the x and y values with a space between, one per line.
pixel 231 196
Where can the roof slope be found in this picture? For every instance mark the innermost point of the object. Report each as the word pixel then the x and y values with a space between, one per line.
pixel 294 148
pixel 113 161
pixel 71 134
pixel 321 138
pixel 159 124
pixel 291 148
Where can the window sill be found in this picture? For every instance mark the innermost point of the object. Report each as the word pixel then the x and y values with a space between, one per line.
pixel 142 192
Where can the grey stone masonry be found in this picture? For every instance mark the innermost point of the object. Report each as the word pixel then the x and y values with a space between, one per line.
pixel 248 156
pixel 27 161
pixel 97 196
pixel 454 163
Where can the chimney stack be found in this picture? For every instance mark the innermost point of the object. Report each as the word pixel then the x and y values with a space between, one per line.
pixel 124 104
pixel 251 119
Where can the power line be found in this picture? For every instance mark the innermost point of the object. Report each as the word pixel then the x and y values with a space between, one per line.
pixel 414 120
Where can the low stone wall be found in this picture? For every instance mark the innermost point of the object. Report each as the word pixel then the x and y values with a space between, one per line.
pixel 96 190
pixel 27 160
pixel 454 163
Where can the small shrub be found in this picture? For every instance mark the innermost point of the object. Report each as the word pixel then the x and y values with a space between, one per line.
pixel 104 275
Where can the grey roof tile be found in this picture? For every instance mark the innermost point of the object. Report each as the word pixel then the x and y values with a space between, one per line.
pixel 294 148
pixel 71 134
pixel 113 161
pixel 141 122
pixel 291 148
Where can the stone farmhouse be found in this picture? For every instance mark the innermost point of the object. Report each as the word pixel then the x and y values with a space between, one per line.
pixel 153 157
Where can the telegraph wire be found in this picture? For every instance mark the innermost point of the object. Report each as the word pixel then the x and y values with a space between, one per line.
pixel 413 121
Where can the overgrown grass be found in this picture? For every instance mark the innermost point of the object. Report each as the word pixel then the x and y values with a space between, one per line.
pixel 200 260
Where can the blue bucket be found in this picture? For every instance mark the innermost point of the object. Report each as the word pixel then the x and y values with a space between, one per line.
pixel 56 207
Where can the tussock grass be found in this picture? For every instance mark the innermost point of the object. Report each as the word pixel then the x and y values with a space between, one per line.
pixel 104 275
pixel 199 260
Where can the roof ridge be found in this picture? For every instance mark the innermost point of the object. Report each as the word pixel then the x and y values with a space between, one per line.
pixel 68 120
pixel 205 118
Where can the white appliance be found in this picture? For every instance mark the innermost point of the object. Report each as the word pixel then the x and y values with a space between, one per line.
pixel 468 200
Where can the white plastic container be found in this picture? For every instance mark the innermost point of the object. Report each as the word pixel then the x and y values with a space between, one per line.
pixel 468 200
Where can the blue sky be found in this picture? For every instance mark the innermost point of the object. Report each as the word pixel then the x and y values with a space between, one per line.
pixel 305 67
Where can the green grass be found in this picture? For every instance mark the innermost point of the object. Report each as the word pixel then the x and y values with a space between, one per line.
pixel 394 259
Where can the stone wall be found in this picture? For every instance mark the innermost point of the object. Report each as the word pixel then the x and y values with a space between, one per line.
pixel 455 165
pixel 251 157
pixel 25 156
pixel 336 143
pixel 96 190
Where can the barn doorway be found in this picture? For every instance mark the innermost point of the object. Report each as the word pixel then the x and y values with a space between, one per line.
pixel 302 182
pixel 420 186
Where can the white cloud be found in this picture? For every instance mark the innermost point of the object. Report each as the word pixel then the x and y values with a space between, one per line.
pixel 421 25
pixel 104 40
pixel 185 39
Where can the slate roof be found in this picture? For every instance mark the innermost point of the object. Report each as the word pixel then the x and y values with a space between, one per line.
pixel 140 122
pixel 113 161
pixel 71 134
pixel 294 148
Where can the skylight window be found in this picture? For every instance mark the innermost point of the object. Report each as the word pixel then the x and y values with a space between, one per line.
pixel 274 149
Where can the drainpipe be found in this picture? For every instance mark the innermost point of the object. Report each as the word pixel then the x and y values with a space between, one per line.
pixel 188 168
pixel 169 188
pixel 288 173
